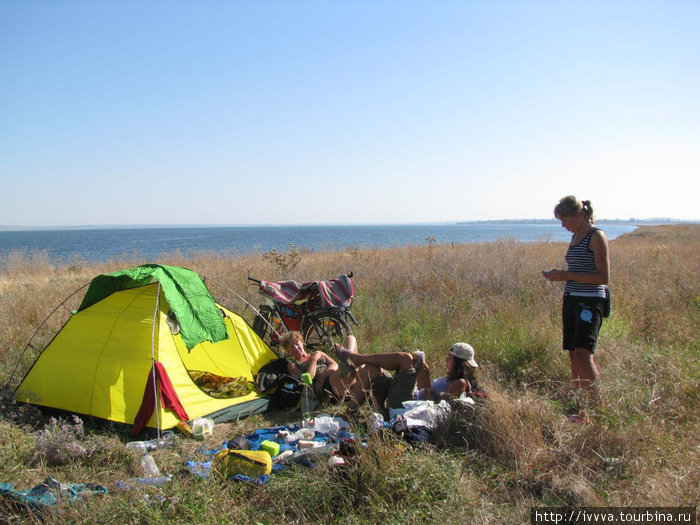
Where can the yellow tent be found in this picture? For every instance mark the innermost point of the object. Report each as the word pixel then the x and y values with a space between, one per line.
pixel 102 360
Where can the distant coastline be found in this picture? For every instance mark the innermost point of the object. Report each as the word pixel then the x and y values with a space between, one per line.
pixel 23 227
pixel 638 222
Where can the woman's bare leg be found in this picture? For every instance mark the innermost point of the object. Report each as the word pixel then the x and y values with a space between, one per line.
pixel 361 389
pixel 388 361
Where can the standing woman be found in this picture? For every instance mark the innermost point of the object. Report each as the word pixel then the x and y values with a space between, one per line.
pixel 585 291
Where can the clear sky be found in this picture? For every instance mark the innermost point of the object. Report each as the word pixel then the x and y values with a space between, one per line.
pixel 340 111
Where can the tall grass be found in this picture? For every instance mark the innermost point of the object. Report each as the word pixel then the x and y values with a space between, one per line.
pixel 490 465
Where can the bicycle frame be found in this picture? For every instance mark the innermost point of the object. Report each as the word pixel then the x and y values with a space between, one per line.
pixel 306 316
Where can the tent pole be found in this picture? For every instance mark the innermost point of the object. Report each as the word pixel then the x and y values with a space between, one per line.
pixel 153 360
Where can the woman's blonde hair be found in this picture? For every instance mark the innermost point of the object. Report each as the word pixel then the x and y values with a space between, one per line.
pixel 569 206
pixel 288 339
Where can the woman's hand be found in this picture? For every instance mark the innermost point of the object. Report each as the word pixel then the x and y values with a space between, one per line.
pixel 554 275
pixel 423 377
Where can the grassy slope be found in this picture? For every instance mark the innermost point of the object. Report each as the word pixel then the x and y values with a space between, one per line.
pixel 492 467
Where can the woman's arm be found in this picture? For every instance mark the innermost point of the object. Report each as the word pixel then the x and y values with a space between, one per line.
pixel 317 356
pixel 330 362
pixel 455 388
pixel 293 369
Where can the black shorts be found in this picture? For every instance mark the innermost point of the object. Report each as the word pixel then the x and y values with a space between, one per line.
pixel 391 392
pixel 581 320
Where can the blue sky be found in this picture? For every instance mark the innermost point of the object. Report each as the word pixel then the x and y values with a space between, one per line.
pixel 254 112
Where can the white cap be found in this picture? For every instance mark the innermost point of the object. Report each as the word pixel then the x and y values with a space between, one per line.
pixel 464 351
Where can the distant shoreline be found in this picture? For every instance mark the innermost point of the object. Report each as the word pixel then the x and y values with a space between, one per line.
pixel 637 222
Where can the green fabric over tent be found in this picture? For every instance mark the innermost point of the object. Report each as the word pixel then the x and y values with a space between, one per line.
pixel 190 300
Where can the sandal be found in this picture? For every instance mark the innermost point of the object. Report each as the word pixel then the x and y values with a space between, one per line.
pixel 343 355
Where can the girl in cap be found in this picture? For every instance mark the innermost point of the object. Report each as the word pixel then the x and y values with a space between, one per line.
pixel 460 378
pixel 411 370
pixel 585 290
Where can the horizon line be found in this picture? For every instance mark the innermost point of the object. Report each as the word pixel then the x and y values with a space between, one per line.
pixel 28 227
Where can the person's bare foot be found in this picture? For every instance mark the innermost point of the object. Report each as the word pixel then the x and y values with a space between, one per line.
pixel 346 367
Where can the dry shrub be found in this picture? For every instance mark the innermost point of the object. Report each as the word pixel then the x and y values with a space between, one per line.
pixel 655 285
pixel 59 443
pixel 510 429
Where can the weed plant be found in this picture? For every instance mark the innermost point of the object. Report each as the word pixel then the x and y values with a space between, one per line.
pixel 489 464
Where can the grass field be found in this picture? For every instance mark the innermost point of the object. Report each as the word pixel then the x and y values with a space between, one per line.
pixel 488 467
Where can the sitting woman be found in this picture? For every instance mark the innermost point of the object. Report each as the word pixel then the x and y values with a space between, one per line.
pixel 460 378
pixel 328 380
pixel 411 371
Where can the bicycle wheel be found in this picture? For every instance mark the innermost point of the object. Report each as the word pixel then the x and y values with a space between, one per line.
pixel 320 331
pixel 262 322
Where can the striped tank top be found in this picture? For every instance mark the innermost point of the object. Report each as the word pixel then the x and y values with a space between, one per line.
pixel 580 259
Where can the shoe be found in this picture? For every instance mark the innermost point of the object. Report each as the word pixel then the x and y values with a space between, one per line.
pixel 343 354
pixel 418 360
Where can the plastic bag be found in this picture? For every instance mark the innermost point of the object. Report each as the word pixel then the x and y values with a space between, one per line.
pixel 202 427
pixel 329 425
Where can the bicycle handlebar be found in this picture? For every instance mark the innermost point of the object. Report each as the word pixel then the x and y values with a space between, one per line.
pixel 258 281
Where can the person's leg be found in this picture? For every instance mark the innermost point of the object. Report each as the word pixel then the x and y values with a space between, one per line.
pixel 588 375
pixel 387 360
pixel 360 390
pixel 350 343
pixel 575 373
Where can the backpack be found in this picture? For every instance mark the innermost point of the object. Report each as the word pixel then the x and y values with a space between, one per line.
pixel 269 375
pixel 273 376
pixel 289 392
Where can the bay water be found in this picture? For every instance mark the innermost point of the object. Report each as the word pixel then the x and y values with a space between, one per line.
pixel 102 244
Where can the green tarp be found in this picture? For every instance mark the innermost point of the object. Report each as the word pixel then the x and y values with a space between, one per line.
pixel 188 297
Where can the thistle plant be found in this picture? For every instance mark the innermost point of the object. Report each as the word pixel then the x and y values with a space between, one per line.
pixel 59 443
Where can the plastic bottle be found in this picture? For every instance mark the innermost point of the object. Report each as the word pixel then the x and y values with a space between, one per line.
pixel 161 442
pixel 130 483
pixel 308 399
pixel 139 446
pixel 150 469
pixel 148 446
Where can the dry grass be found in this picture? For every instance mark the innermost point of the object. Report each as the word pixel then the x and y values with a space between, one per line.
pixel 490 465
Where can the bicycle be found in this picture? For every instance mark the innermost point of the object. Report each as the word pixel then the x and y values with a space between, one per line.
pixel 319 310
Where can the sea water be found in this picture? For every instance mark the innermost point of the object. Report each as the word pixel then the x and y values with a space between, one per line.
pixel 102 244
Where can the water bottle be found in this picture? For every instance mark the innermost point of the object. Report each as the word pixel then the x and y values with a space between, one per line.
pixel 139 446
pixel 132 482
pixel 149 466
pixel 148 446
pixel 308 399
